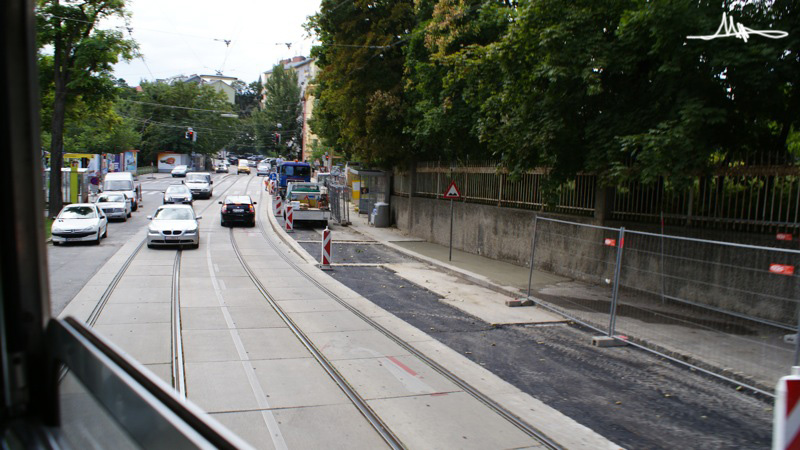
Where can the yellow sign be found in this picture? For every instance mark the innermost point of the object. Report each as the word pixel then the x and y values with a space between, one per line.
pixel 78 155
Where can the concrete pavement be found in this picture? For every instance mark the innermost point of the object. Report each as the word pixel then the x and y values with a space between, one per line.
pixel 242 366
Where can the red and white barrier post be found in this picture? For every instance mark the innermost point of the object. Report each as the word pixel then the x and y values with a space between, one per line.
pixel 289 218
pixel 278 206
pixel 325 262
pixel 786 427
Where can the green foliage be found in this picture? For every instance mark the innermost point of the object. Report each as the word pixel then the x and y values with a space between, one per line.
pixel 163 112
pixel 361 106
pixel 281 106
pixel 611 87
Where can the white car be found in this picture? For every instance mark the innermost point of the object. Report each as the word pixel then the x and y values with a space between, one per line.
pixel 178 193
pixel 199 183
pixel 79 222
pixel 115 205
pixel 173 225
pixel 179 171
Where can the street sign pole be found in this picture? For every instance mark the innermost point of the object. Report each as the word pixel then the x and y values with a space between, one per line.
pixel 450 258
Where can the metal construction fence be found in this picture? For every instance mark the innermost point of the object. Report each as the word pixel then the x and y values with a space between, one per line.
pixel 339 197
pixel 759 196
pixel 728 309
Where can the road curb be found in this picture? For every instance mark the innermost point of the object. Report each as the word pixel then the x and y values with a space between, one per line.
pixel 285 236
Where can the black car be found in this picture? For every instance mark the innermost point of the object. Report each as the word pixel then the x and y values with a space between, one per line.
pixel 238 209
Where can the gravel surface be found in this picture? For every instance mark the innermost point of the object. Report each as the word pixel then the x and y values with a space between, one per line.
pixel 629 396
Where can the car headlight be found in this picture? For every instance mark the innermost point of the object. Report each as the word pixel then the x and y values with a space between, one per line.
pixel 152 232
pixel 191 231
pixel 89 228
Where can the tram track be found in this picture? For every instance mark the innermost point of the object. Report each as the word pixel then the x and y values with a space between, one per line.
pixel 176 344
pixel 503 412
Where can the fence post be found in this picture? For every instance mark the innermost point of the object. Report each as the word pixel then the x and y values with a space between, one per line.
pixel 615 292
pixel 533 249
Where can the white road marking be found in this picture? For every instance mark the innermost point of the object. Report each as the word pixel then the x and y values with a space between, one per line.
pixel 269 419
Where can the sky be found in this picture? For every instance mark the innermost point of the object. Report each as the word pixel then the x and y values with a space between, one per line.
pixel 187 37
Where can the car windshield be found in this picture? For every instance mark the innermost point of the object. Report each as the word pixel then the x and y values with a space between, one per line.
pixel 78 212
pixel 238 200
pixel 111 198
pixel 177 189
pixel 297 171
pixel 174 214
pixel 118 185
pixel 196 178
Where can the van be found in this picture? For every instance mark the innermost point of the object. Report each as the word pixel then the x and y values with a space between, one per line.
pixel 200 184
pixel 126 183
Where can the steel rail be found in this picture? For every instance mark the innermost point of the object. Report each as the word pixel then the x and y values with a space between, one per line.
pixel 326 365
pixel 478 395
pixel 178 369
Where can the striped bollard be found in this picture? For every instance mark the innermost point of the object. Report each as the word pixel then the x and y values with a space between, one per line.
pixel 325 263
pixel 289 218
pixel 278 206
pixel 786 426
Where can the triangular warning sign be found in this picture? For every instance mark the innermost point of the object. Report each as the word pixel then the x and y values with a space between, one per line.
pixel 452 191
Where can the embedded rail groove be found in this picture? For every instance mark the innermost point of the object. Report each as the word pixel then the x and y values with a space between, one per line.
pixel 478 395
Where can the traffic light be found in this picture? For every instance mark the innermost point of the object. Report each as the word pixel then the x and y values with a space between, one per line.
pixel 191 135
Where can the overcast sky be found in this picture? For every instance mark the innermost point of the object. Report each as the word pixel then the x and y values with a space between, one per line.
pixel 186 37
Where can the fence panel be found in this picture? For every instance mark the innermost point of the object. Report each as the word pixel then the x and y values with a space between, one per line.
pixel 721 307
pixel 574 269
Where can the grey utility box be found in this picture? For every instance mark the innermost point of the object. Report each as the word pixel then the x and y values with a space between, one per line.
pixel 380 216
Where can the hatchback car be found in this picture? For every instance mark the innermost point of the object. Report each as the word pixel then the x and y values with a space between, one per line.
pixel 179 194
pixel 173 225
pixel 114 205
pixel 179 171
pixel 238 209
pixel 79 222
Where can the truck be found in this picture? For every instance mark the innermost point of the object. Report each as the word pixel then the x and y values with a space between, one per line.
pixel 292 172
pixel 126 183
pixel 309 202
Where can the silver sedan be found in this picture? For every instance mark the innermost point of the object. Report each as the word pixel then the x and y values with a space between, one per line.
pixel 114 205
pixel 173 225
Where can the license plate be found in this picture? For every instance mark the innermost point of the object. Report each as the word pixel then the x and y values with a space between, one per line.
pixel 172 238
pixel 238 210
pixel 73 239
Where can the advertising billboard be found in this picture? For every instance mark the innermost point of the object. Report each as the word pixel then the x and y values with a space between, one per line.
pixel 167 161
pixel 130 161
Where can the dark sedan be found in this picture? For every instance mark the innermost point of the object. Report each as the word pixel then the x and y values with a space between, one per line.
pixel 238 209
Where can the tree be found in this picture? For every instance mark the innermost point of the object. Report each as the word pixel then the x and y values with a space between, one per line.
pixel 282 112
pixel 362 108
pixel 164 112
pixel 247 96
pixel 83 56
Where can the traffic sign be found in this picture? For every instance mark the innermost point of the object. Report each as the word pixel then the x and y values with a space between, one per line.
pixel 783 236
pixel 452 192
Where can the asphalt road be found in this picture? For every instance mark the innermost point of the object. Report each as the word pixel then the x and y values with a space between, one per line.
pixel 70 266
pixel 631 397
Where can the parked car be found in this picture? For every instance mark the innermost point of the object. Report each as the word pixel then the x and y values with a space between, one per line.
pixel 243 167
pixel 238 209
pixel 124 183
pixel 200 184
pixel 179 171
pixel 173 225
pixel 79 222
pixel 178 193
pixel 114 205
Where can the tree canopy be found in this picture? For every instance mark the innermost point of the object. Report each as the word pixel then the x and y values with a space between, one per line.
pixel 614 88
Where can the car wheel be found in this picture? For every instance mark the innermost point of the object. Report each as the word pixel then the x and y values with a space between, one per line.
pixel 223 223
pixel 149 245
pixel 134 207
pixel 105 233
pixel 56 244
pixel 97 241
pixel 253 223
pixel 129 214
